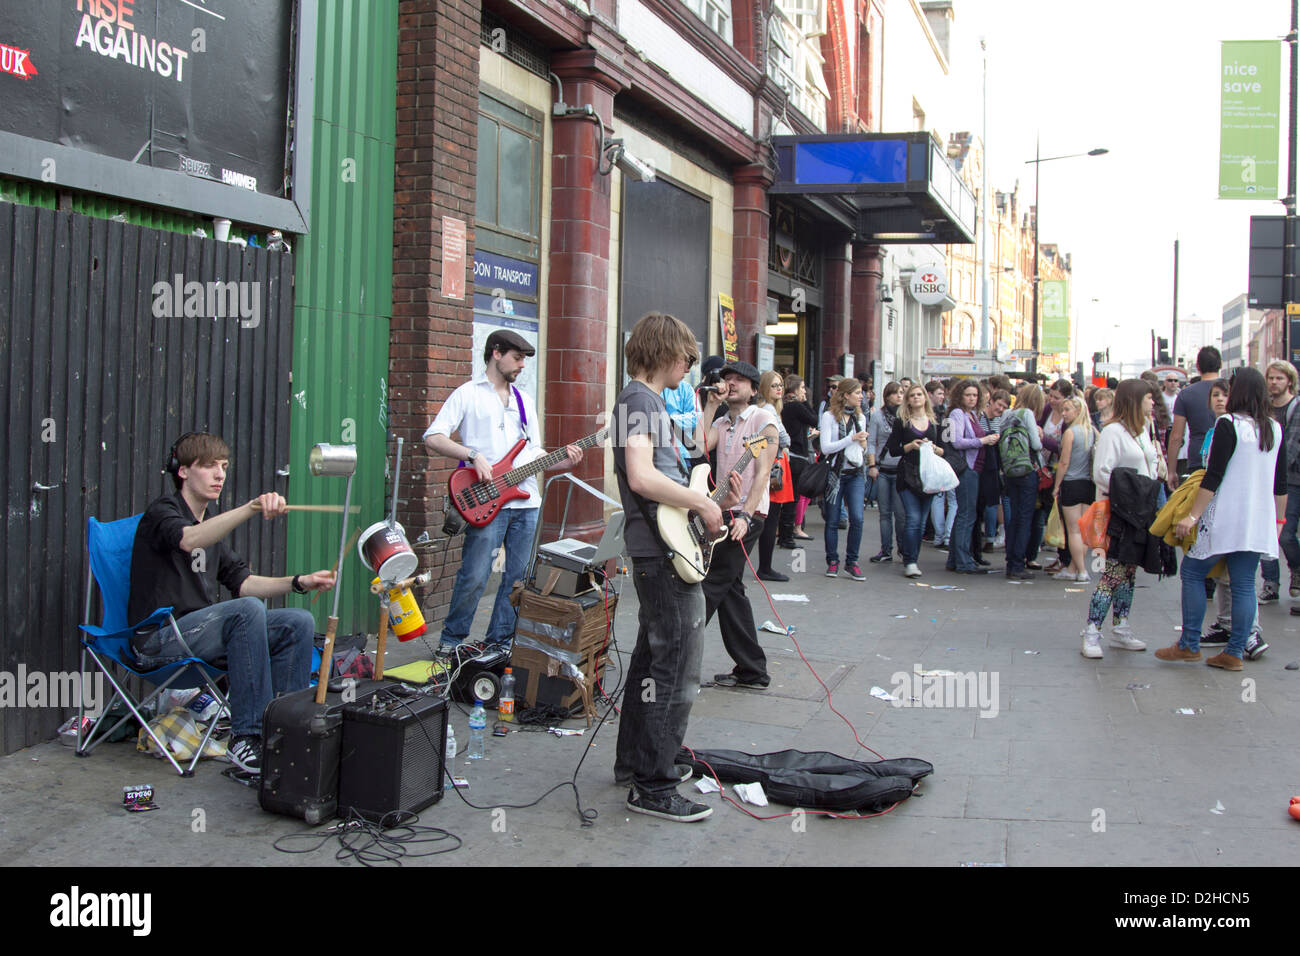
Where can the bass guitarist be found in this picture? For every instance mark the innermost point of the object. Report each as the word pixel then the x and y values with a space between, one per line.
pixel 491 415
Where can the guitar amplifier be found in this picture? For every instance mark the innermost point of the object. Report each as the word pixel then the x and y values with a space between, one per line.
pixel 394 748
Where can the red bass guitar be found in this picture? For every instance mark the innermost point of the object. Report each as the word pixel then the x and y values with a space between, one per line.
pixel 478 501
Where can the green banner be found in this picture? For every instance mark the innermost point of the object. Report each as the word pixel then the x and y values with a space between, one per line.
pixel 1056 317
pixel 1251 95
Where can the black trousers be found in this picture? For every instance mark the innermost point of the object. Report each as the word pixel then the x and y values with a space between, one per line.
pixel 724 594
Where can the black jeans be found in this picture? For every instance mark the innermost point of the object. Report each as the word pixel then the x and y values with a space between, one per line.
pixel 663 677
pixel 724 593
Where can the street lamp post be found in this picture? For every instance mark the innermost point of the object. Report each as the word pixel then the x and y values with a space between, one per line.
pixel 1038 161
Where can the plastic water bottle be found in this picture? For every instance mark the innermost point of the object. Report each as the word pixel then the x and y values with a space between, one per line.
pixel 506 702
pixel 477 724
pixel 451 755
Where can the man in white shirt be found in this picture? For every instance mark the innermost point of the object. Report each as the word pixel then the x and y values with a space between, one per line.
pixel 491 415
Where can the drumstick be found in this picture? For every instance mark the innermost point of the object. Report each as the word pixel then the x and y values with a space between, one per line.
pixel 331 509
pixel 351 541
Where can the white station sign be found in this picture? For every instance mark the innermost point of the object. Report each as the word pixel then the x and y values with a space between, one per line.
pixel 929 285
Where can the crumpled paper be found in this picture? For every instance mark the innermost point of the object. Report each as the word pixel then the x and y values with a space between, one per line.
pixel 751 793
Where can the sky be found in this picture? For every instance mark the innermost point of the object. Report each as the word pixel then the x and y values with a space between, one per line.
pixel 1141 79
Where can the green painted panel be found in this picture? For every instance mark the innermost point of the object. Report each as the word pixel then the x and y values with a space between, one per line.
pixel 46 196
pixel 344 293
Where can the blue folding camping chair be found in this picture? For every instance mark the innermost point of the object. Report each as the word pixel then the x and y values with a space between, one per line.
pixel 109 643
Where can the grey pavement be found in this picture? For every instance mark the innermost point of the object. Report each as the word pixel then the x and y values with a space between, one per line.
pixel 1084 763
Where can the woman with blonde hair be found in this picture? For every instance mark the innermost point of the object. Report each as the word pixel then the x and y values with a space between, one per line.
pixel 1073 489
pixel 844 436
pixel 771 390
pixel 915 426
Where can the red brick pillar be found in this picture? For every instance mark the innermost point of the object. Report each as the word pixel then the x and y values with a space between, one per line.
pixel 835 311
pixel 576 358
pixel 864 330
pixel 750 218
pixel 429 354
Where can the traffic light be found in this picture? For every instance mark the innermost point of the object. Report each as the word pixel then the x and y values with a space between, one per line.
pixel 1162 351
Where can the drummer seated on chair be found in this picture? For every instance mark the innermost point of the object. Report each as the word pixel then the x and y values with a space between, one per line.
pixel 180 559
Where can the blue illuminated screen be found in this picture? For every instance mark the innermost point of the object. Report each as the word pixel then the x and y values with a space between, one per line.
pixel 863 161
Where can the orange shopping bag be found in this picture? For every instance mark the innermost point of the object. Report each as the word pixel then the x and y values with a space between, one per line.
pixel 1093 524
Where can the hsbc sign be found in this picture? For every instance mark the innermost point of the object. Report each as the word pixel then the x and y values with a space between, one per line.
pixel 929 285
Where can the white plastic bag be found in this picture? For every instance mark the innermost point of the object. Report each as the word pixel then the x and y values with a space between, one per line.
pixel 936 474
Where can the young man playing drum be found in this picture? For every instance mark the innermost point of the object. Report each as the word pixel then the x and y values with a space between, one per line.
pixel 180 560
pixel 491 415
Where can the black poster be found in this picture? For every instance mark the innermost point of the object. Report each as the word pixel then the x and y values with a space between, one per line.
pixel 196 86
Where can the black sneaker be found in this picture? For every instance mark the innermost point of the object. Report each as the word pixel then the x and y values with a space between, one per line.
pixel 1216 636
pixel 731 680
pixel 1255 647
pixel 683 771
pixel 671 806
pixel 881 557
pixel 246 753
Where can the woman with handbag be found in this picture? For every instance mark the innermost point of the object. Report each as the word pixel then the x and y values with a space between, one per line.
pixel 1073 489
pixel 801 424
pixel 844 436
pixel 780 483
pixel 914 427
pixel 969 441
pixel 1124 443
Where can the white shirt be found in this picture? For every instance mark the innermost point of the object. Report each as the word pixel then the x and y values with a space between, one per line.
pixel 1116 448
pixel 490 428
pixel 1246 520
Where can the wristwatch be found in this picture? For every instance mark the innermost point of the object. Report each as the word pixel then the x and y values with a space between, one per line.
pixel 473 453
pixel 297 587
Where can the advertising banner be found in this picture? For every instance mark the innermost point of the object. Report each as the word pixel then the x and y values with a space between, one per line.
pixel 1055 336
pixel 196 86
pixel 727 319
pixel 1250 84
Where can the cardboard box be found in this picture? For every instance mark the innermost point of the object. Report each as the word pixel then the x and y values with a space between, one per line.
pixel 541 679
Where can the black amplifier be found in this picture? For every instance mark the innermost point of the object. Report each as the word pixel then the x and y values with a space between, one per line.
pixel 394 748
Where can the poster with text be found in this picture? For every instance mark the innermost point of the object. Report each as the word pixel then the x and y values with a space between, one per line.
pixel 1250 91
pixel 727 318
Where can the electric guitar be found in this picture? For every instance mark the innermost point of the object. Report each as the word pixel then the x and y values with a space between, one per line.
pixel 689 542
pixel 478 500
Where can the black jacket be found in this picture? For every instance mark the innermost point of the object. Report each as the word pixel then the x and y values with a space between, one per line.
pixel 1133 507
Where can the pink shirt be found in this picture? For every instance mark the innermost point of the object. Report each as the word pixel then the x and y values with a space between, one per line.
pixel 731 445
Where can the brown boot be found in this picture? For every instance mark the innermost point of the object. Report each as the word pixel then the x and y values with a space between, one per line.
pixel 1175 653
pixel 1224 660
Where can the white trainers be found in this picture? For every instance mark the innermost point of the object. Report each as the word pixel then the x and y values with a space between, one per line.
pixel 911 571
pixel 1121 636
pixel 1065 575
pixel 1091 648
pixel 1083 578
pixel 1000 541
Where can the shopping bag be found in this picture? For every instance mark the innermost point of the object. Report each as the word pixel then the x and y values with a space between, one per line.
pixel 1054 533
pixel 937 475
pixel 1093 525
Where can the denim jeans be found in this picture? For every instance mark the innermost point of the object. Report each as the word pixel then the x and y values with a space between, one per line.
pixel 1241 572
pixel 892 516
pixel 663 677
pixel 1022 493
pixel 916 507
pixel 850 496
pixel 991 521
pixel 943 512
pixel 512 529
pixel 265 653
pixel 1287 539
pixel 960 555
pixel 869 485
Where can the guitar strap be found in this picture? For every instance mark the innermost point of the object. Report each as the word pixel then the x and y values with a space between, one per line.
pixel 523 417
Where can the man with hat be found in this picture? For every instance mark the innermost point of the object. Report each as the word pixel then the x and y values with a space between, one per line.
pixel 491 415
pixel 724 586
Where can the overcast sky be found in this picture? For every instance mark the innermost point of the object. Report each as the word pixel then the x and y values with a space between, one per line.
pixel 1140 78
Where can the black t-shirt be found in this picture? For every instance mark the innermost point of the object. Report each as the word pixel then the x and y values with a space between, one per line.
pixel 162 575
pixel 639 411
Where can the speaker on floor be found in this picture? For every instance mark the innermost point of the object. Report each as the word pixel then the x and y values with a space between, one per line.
pixel 394 748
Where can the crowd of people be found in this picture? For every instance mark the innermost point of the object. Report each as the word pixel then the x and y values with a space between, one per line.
pixel 1152 455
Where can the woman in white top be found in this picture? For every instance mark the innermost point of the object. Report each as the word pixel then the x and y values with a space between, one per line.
pixel 1124 443
pixel 844 434
pixel 771 389
pixel 1234 519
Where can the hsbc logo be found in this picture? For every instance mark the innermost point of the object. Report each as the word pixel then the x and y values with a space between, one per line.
pixel 16 62
pixel 929 284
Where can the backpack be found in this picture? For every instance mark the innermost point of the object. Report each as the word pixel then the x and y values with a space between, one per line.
pixel 1014 450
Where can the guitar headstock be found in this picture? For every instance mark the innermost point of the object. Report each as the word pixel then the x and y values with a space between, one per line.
pixel 756 444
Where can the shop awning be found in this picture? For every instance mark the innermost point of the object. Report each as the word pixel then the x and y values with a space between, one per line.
pixel 902 185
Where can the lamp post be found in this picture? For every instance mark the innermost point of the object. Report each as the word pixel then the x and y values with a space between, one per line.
pixel 1038 162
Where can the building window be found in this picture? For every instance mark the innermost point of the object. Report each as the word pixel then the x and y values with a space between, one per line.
pixel 794 59
pixel 509 182
pixel 716 13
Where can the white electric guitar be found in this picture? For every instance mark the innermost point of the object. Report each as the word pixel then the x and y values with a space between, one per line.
pixel 689 542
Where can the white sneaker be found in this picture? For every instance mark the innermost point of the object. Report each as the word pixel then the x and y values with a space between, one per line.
pixel 1091 648
pixel 1083 578
pixel 1065 575
pixel 911 571
pixel 1000 541
pixel 1121 636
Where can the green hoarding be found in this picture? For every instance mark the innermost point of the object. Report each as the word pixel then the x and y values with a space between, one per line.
pixel 1250 87
pixel 1056 317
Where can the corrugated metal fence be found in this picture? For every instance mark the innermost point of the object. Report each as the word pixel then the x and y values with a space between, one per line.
pixel 98 376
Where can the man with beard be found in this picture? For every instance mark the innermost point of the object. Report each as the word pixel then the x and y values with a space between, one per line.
pixel 491 415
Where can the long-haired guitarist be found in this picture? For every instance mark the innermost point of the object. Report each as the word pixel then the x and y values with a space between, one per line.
pixel 491 416
pixel 663 677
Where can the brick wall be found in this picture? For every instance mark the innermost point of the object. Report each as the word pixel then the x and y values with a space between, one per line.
pixel 437 140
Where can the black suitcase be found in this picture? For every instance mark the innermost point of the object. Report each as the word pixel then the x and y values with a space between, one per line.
pixel 301 745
